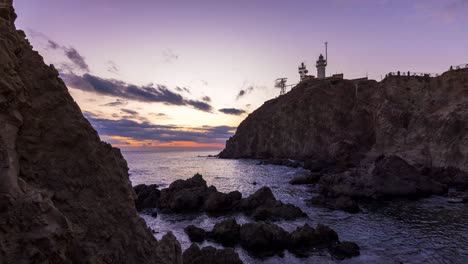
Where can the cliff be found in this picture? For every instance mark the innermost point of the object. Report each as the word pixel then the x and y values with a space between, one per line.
pixel 65 196
pixel 421 119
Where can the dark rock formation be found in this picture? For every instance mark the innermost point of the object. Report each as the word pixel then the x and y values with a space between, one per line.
pixel 423 120
pixel 194 195
pixel 281 162
pixel 227 232
pixel 312 178
pixel 185 195
pixel 387 177
pixel 210 255
pixel 195 234
pixel 263 239
pixel 262 205
pixel 147 196
pixel 218 202
pixel 65 196
pixel 390 176
pixel 345 249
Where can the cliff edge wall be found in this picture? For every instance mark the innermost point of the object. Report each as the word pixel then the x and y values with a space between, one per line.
pixel 65 196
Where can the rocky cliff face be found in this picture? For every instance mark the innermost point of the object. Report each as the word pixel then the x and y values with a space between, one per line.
pixel 421 119
pixel 65 196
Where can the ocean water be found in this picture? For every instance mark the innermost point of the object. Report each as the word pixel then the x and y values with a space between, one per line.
pixel 424 231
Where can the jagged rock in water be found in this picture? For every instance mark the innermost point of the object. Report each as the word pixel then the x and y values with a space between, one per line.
pixel 65 196
pixel 423 120
pixel 262 205
pixel 390 176
pixel 263 239
pixel 226 232
pixel 345 249
pixel 185 195
pixel 147 196
pixel 210 255
pixel 194 195
pixel 195 234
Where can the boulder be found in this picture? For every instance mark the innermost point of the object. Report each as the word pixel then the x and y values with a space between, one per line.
pixel 195 234
pixel 303 237
pixel 277 211
pixel 262 205
pixel 260 197
pixel 389 176
pixel 185 195
pixel 227 232
pixel 262 237
pixel 345 249
pixel 217 201
pixel 170 248
pixel 147 196
pixel 392 176
pixel 210 255
pixel 325 236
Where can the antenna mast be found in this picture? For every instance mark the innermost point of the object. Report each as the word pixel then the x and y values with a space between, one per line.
pixel 326 53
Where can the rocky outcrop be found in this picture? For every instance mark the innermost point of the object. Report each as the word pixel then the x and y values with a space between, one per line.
pixel 263 239
pixel 193 194
pixel 390 176
pixel 210 255
pixel 147 195
pixel 423 120
pixel 65 196
pixel 387 177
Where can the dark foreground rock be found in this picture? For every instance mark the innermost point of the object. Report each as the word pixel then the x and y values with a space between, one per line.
pixel 210 255
pixel 65 196
pixel 194 195
pixel 263 239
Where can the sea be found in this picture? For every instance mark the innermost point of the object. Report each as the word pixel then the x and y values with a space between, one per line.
pixel 429 230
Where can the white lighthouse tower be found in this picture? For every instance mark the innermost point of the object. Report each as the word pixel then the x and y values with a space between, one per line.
pixel 322 63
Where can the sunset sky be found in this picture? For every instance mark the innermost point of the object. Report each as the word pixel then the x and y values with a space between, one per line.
pixel 184 74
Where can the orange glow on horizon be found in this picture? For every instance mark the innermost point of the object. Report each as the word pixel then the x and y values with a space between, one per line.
pixel 125 142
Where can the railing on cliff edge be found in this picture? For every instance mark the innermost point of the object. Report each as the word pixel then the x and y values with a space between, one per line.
pixel 426 74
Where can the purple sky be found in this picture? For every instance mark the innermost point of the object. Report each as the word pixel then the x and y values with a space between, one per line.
pixel 202 50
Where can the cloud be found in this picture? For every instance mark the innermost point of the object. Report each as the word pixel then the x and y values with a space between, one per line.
pixel 232 111
pixel 169 55
pixel 163 133
pixel 112 67
pixel 116 88
pixel 206 99
pixel 183 89
pixel 76 58
pixel 130 112
pixel 243 92
pixel 158 114
pixel 78 61
pixel 117 102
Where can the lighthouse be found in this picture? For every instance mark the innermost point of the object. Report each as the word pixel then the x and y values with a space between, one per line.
pixel 322 64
